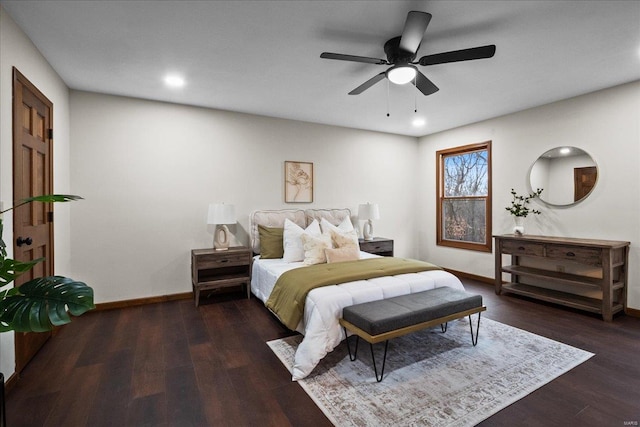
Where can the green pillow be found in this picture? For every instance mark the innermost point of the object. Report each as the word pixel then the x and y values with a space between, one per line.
pixel 270 242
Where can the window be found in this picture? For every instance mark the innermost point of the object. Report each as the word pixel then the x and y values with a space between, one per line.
pixel 464 197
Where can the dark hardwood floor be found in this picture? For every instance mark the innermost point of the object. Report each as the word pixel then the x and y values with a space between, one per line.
pixel 171 364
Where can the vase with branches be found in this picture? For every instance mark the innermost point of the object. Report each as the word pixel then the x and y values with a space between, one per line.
pixel 519 208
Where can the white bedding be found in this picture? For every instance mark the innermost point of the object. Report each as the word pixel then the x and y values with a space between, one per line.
pixel 323 306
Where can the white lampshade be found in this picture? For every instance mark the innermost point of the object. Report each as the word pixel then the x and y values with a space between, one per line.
pixel 401 74
pixel 220 213
pixel 368 211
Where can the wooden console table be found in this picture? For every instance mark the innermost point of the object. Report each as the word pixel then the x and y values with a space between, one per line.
pixel 586 274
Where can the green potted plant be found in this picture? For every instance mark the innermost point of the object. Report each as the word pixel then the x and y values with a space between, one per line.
pixel 39 304
pixel 519 209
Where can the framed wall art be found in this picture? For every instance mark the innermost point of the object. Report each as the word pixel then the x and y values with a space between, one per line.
pixel 298 182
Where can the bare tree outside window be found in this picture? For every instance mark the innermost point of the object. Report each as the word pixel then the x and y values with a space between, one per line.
pixel 464 197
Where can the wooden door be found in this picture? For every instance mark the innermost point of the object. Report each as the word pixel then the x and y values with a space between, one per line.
pixel 584 180
pixel 32 176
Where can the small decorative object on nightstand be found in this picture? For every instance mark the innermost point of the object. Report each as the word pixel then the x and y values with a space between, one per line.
pixel 220 215
pixel 213 270
pixel 378 246
pixel 368 212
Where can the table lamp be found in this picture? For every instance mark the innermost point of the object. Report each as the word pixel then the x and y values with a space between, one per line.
pixel 220 215
pixel 368 212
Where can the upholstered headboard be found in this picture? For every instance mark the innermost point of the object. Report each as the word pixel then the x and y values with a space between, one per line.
pixel 275 218
pixel 334 216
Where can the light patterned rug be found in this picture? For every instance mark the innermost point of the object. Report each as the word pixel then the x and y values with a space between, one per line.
pixel 434 379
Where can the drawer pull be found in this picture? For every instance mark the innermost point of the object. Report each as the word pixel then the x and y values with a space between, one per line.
pixel 521 248
pixel 570 254
pixel 224 260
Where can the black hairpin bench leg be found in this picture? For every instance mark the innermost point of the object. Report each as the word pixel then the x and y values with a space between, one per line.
pixel 384 360
pixel 474 340
pixel 355 353
pixel 353 356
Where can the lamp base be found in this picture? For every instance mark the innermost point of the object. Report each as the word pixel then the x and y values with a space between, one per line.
pixel 367 230
pixel 221 240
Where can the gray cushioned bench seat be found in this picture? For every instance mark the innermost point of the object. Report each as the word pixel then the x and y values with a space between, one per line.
pixel 378 317
pixel 378 321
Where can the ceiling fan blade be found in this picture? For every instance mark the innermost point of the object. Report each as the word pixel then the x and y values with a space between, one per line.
pixel 459 55
pixel 353 58
pixel 425 85
pixel 414 28
pixel 366 85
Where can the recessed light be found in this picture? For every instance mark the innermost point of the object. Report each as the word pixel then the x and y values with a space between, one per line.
pixel 565 150
pixel 418 122
pixel 174 81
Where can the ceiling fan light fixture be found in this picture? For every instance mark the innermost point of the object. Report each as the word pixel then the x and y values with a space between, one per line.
pixel 401 74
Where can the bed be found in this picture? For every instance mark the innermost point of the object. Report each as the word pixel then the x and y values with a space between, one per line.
pixel 323 305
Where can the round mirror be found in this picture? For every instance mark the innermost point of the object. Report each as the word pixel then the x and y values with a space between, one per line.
pixel 566 174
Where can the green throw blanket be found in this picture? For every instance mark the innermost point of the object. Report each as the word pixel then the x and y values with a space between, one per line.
pixel 290 291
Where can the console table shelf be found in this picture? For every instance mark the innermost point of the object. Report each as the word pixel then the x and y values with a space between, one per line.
pixel 597 282
pixel 592 305
pixel 558 277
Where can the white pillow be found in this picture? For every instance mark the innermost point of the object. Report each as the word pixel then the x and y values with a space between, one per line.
pixel 314 248
pixel 292 241
pixel 345 225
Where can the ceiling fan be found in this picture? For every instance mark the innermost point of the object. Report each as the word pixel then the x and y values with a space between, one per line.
pixel 401 52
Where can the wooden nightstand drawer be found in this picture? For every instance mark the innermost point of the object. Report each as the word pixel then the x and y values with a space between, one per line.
pixel 378 246
pixel 223 259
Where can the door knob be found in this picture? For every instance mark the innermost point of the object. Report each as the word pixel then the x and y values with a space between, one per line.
pixel 28 241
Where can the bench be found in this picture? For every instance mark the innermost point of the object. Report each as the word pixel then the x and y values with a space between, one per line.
pixel 382 320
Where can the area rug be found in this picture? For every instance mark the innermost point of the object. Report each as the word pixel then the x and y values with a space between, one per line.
pixel 433 378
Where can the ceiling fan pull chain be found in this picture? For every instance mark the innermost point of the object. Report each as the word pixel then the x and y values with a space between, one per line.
pixel 415 94
pixel 387 97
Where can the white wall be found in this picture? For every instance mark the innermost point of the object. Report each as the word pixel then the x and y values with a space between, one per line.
pixel 148 171
pixel 606 124
pixel 16 50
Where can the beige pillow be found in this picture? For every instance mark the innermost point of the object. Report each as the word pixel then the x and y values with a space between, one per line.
pixel 314 247
pixel 270 242
pixel 344 239
pixel 342 254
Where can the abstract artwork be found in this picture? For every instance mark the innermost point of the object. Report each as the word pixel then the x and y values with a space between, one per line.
pixel 298 182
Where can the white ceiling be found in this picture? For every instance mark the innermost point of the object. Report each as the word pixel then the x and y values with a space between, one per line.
pixel 263 57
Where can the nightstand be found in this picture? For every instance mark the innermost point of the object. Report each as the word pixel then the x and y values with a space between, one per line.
pixel 378 246
pixel 213 270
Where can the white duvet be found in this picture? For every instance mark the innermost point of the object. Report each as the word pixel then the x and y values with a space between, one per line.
pixel 323 307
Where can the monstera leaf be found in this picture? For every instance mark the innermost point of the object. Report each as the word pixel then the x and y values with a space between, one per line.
pixel 42 303
pixel 10 269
